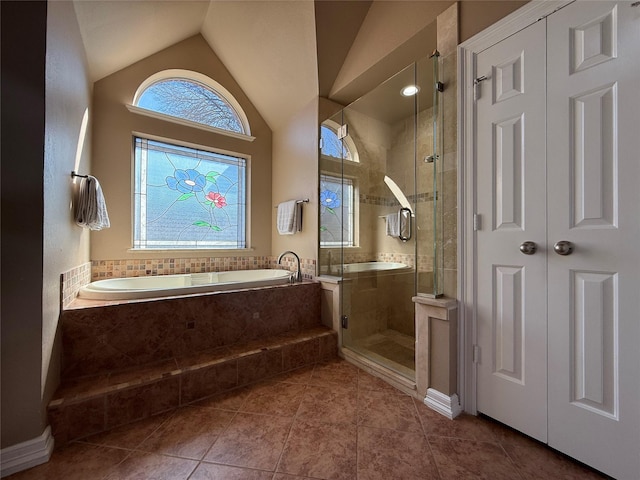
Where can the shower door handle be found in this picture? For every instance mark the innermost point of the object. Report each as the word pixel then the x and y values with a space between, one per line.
pixel 404 216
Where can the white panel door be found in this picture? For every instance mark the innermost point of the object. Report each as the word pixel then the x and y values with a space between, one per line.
pixel 593 105
pixel 511 204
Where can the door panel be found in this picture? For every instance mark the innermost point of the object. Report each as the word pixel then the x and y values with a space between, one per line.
pixel 511 305
pixel 594 293
pixel 562 332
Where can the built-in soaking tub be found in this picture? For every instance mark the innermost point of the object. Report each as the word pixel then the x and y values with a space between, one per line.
pixel 369 267
pixel 183 284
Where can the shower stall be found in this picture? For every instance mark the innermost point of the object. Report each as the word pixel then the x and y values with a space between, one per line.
pixel 380 223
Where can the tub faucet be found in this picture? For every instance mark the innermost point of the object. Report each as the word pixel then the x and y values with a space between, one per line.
pixel 298 272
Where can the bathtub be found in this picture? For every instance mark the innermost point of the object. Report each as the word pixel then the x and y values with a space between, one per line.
pixel 369 267
pixel 183 284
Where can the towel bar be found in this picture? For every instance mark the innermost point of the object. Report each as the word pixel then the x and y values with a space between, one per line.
pixel 306 200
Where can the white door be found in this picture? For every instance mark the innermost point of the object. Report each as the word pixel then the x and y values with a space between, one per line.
pixel 577 330
pixel 593 158
pixel 511 199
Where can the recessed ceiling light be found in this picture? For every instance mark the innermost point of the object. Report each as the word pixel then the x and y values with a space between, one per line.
pixel 410 90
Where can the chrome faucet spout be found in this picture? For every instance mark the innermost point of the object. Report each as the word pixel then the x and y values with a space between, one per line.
pixel 298 272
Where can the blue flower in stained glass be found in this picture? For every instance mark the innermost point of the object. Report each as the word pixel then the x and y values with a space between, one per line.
pixel 329 199
pixel 186 181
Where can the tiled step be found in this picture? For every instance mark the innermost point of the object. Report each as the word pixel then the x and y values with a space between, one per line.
pixel 88 405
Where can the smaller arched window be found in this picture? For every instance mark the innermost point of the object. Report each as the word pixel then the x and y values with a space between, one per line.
pixel 192 97
pixel 334 147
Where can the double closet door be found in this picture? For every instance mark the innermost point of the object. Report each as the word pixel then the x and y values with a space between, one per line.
pixel 558 239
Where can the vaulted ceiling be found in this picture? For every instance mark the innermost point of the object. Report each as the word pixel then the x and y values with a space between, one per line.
pixel 282 53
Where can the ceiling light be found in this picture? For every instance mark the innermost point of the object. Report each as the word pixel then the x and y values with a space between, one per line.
pixel 410 90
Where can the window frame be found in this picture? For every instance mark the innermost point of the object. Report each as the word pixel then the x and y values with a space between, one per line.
pixel 204 80
pixel 348 141
pixel 204 148
pixel 353 241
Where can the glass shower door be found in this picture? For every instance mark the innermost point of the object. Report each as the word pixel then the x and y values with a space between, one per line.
pixel 380 226
pixel 379 259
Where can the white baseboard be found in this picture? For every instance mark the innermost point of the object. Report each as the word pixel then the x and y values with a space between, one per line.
pixel 446 405
pixel 27 454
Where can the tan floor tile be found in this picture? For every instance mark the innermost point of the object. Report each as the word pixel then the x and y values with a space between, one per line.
pixel 320 450
pixel 538 462
pixel 385 454
pixel 286 476
pixel 329 404
pixel 335 372
pixel 274 398
pixel 506 435
pixel 254 441
pixel 189 433
pixel 232 400
pixel 465 459
pixel 464 426
pixel 209 471
pixel 381 410
pixel 146 466
pixel 76 462
pixel 366 381
pixel 299 375
pixel 131 435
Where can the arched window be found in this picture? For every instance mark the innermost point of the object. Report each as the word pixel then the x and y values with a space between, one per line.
pixel 192 97
pixel 334 147
pixel 188 196
pixel 337 192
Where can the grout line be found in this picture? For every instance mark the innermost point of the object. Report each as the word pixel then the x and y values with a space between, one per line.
pixel 426 438
pixel 293 421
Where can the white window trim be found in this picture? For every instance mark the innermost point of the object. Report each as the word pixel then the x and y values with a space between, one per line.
pixel 217 251
pixel 200 78
pixel 188 123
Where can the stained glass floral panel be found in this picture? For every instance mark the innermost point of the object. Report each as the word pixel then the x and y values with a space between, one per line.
pixel 187 198
pixel 336 211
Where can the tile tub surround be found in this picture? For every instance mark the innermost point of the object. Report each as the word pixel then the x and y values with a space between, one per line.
pixel 106 339
pixel 101 269
pixel 72 281
pixel 125 362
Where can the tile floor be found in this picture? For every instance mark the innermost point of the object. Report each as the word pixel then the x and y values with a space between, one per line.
pixel 328 421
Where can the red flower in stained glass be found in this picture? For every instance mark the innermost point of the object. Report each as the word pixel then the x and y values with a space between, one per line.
pixel 217 199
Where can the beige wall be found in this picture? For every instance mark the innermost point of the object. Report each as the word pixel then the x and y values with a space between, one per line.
pixel 68 96
pixel 392 35
pixel 295 177
pixel 476 15
pixel 48 242
pixel 112 150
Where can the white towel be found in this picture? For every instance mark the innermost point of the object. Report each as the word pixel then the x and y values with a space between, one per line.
pixel 286 218
pixel 90 208
pixel 393 224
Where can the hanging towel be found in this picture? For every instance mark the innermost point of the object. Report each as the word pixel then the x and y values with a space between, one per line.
pixel 286 217
pixel 90 208
pixel 393 224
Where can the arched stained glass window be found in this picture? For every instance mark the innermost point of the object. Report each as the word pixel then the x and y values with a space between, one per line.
pixel 198 99
pixel 332 146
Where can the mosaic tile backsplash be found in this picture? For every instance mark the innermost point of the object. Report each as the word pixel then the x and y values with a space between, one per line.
pixel 72 280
